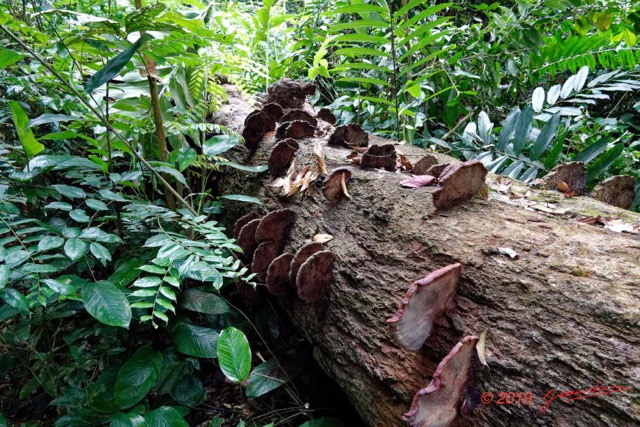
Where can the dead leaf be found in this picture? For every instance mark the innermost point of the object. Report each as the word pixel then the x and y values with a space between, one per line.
pixel 481 349
pixel 563 187
pixel 354 158
pixel 403 162
pixel 418 181
pixel 322 238
pixel 343 184
pixel 317 151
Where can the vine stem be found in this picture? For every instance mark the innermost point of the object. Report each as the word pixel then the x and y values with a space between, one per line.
pixel 100 116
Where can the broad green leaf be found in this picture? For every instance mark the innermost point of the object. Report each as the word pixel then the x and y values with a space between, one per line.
pixel 50 242
pixel 196 341
pixel 75 248
pixel 602 162
pixel 8 58
pixel 546 136
pixel 429 11
pixel 537 99
pixel 126 272
pixel 97 205
pixel 136 377
pixel 365 80
pixel 259 168
pixel 154 269
pixel 79 215
pixel 63 206
pixel 323 422
pixel 50 118
pixel 265 377
pixel 70 192
pixel 593 151
pixel 234 354
pixel 126 420
pixel 508 128
pixel 553 94
pixel 165 416
pixel 523 128
pixel 203 302
pixel 554 154
pixel 113 67
pixel 39 268
pixel 4 276
pixel 65 285
pixel 182 158
pixel 354 52
pixel 170 170
pixel 361 38
pixel 148 282
pixel 110 195
pixel 15 299
pixel 360 8
pixel 242 198
pixel 360 23
pixel 484 127
pixel 188 391
pixel 29 143
pixel 100 252
pixel 107 303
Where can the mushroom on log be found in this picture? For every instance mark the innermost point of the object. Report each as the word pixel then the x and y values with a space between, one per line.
pixel 548 329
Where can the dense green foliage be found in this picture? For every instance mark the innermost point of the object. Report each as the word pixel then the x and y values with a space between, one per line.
pixel 115 275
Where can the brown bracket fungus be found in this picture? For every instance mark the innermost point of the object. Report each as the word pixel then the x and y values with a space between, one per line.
pixel 314 275
pixel 270 236
pixel 301 256
pixel 278 282
pixel 255 126
pixel 297 129
pixel 459 182
pixel 436 170
pixel 351 135
pixel 335 184
pixel 247 238
pixel 290 93
pixel 242 221
pixel 380 156
pixel 438 404
pixel 301 115
pixel 426 300
pixel 573 174
pixel 423 165
pixel 326 115
pixel 617 191
pixel 281 156
pixel 274 110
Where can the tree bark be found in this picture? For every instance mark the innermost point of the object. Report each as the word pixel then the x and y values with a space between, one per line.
pixel 563 315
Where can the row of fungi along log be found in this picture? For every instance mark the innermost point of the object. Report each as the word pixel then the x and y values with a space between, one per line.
pixel 537 324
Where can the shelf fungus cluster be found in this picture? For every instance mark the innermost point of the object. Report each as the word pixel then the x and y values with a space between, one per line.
pixel 262 238
pixel 309 272
pixel 448 393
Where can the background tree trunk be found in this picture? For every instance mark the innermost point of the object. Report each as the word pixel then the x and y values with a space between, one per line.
pixel 563 315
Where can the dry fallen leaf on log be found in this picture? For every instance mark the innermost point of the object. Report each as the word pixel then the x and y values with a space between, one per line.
pixel 317 151
pixel 418 181
pixel 322 238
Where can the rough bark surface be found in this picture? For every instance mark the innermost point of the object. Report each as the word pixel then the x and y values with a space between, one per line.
pixel 564 314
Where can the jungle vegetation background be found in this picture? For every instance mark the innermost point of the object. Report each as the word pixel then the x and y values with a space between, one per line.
pixel 119 288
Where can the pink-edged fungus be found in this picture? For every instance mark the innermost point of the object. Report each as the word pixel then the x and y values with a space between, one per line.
pixel 274 227
pixel 302 115
pixel 301 256
pixel 274 110
pixel 335 184
pixel 380 156
pixel 418 181
pixel 426 300
pixel 299 129
pixel 290 93
pixel 351 135
pixel 281 156
pixel 264 254
pixel 619 190
pixel 314 275
pixel 459 182
pixel 573 174
pixel 278 282
pixel 242 221
pixel 423 165
pixel 256 125
pixel 436 170
pixel 439 403
pixel 247 237
pixel 326 115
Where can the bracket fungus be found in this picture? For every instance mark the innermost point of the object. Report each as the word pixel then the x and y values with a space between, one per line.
pixel 436 170
pixel 326 115
pixel 335 184
pixel 247 238
pixel 378 157
pixel 314 275
pixel 459 182
pixel 242 221
pixel 278 282
pixel 281 156
pixel 270 236
pixel 296 129
pixel 423 165
pixel 290 93
pixel 438 404
pixel 301 256
pixel 255 126
pixel 426 300
pixel 351 135
pixel 302 115
pixel 619 190
pixel 573 174
pixel 274 110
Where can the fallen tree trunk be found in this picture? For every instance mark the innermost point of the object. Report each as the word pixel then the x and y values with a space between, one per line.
pixel 563 315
